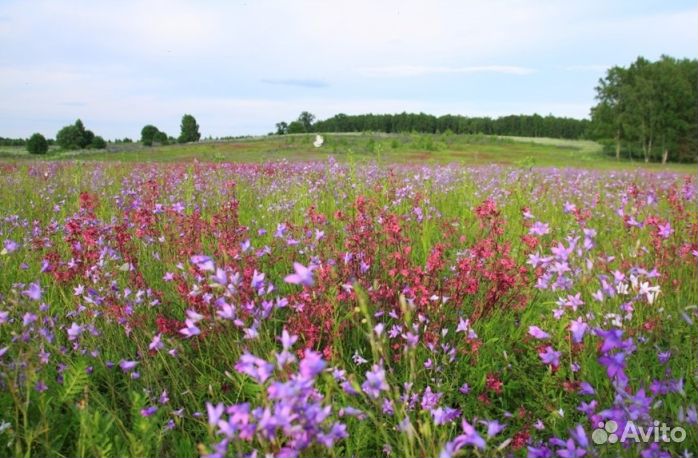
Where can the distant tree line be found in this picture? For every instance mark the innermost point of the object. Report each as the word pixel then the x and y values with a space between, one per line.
pixel 13 141
pixel 75 136
pixel 151 134
pixel 189 132
pixel 515 125
pixel 649 110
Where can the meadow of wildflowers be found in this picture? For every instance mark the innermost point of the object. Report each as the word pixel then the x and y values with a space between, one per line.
pixel 326 309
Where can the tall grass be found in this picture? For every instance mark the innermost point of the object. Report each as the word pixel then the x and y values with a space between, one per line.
pixel 78 401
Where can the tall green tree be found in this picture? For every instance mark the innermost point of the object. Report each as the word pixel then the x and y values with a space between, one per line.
pixel 642 112
pixel 676 106
pixel 281 128
pixel 98 143
pixel 296 127
pixel 75 136
pixel 148 133
pixel 86 136
pixel 608 115
pixel 306 118
pixel 71 137
pixel 650 107
pixel 161 137
pixel 37 144
pixel 189 130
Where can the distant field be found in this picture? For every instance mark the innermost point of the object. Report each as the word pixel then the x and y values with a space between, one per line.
pixel 399 148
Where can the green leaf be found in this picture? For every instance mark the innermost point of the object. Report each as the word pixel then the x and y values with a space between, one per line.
pixel 74 381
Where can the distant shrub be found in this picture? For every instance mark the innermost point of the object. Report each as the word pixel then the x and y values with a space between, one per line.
pixel 296 127
pixel 161 137
pixel 69 137
pixel 37 144
pixel 12 141
pixel 98 143
pixel 74 136
pixel 148 134
pixel 371 145
pixel 189 130
pixel 151 134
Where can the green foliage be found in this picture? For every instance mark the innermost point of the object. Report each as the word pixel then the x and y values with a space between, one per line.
pixel 69 137
pixel 307 120
pixel 99 414
pixel 144 438
pixel 517 125
pixel 281 128
pixel 161 137
pixel 75 136
pixel 98 143
pixel 471 149
pixel 148 134
pixel 12 141
pixel 97 437
pixel 296 127
pixel 74 381
pixel 649 110
pixel 37 144
pixel 151 134
pixel 189 130
pixel 304 124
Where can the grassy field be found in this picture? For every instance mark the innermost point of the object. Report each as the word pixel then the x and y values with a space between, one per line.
pixel 395 148
pixel 342 308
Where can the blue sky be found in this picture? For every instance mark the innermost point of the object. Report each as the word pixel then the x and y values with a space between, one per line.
pixel 241 66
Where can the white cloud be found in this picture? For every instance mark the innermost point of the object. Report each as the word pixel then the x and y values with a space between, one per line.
pixel 121 64
pixel 587 68
pixel 412 70
pixel 308 83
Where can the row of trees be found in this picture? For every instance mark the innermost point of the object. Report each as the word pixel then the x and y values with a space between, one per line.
pixel 76 136
pixel 516 125
pixel 649 110
pixel 189 132
pixel 73 136
pixel 151 134
pixel 6 141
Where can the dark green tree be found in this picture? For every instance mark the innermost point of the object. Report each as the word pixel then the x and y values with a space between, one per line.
pixel 69 137
pixel 650 107
pixel 189 130
pixel 281 128
pixel 609 114
pixel 74 136
pixel 306 118
pixel 98 143
pixel 148 134
pixel 86 136
pixel 37 144
pixel 161 137
pixel 675 84
pixel 515 125
pixel 296 127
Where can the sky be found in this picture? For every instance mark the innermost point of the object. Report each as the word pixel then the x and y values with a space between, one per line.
pixel 241 66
